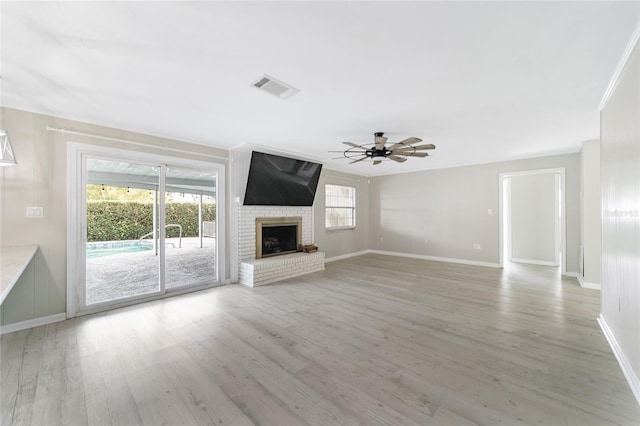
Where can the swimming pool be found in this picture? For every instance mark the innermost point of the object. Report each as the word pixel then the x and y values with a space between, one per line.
pixel 109 248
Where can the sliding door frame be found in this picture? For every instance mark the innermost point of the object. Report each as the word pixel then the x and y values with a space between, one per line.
pixel 77 227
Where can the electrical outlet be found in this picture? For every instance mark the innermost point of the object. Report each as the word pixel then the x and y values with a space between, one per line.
pixel 426 241
pixel 490 211
pixel 35 212
pixel 381 239
pixel 477 246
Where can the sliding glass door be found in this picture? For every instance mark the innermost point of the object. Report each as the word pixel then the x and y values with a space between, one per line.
pixel 121 212
pixel 144 229
pixel 190 214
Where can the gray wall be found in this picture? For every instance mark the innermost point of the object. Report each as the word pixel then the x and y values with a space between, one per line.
pixel 591 223
pixel 533 218
pixel 37 180
pixel 40 179
pixel 448 209
pixel 620 161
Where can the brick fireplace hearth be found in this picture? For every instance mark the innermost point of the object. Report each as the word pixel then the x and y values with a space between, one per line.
pixel 254 272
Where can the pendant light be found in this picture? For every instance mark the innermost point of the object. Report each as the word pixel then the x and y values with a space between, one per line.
pixel 7 157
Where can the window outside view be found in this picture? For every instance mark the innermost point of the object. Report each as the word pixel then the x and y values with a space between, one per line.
pixel 340 206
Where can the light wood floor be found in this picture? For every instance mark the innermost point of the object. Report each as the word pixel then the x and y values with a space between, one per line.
pixel 371 340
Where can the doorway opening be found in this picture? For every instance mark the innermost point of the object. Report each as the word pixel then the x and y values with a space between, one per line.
pixel 532 218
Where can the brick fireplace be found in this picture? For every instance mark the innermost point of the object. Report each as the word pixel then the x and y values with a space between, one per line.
pixel 255 271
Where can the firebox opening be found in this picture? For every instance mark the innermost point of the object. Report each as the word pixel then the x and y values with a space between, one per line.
pixel 278 240
pixel 277 235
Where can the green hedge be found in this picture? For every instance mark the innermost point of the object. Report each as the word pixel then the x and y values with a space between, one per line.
pixel 117 220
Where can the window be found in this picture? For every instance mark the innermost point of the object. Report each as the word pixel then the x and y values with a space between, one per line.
pixel 340 206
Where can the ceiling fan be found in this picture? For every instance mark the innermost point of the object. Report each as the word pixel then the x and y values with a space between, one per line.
pixel 378 150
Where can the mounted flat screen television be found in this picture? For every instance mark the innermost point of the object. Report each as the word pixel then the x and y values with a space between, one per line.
pixel 281 181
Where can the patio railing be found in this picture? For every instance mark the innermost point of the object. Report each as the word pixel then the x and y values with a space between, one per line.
pixel 170 225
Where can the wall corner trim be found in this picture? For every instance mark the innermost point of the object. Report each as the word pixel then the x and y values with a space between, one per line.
pixel 36 322
pixel 623 361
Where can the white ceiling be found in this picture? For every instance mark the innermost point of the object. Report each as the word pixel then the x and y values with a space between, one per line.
pixel 483 81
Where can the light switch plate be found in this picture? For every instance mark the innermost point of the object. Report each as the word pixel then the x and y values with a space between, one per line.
pixel 35 212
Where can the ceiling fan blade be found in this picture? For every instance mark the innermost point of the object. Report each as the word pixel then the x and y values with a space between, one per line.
pixel 411 140
pixel 415 154
pixel 354 145
pixel 376 162
pixel 350 151
pixel 406 142
pixel 380 142
pixel 417 148
pixel 403 149
pixel 359 159
pixel 396 158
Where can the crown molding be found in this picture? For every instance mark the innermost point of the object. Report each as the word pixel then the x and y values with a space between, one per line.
pixel 623 61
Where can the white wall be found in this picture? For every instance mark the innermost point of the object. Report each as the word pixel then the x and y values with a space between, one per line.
pixel 591 223
pixel 449 209
pixel 533 218
pixel 620 161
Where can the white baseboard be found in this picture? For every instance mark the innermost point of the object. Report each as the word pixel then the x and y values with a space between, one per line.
pixel 534 262
pixel 36 322
pixel 582 282
pixel 436 258
pixel 346 256
pixel 587 284
pixel 625 365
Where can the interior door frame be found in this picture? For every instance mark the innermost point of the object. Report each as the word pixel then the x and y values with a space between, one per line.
pixel 76 229
pixel 561 200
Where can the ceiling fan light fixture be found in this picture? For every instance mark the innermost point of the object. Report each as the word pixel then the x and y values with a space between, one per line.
pixel 378 151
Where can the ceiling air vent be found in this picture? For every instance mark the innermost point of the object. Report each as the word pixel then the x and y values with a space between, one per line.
pixel 275 87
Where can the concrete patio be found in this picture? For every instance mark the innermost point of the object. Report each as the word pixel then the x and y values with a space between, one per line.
pixel 133 274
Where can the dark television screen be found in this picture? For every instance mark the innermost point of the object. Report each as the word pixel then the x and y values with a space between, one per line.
pixel 281 181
